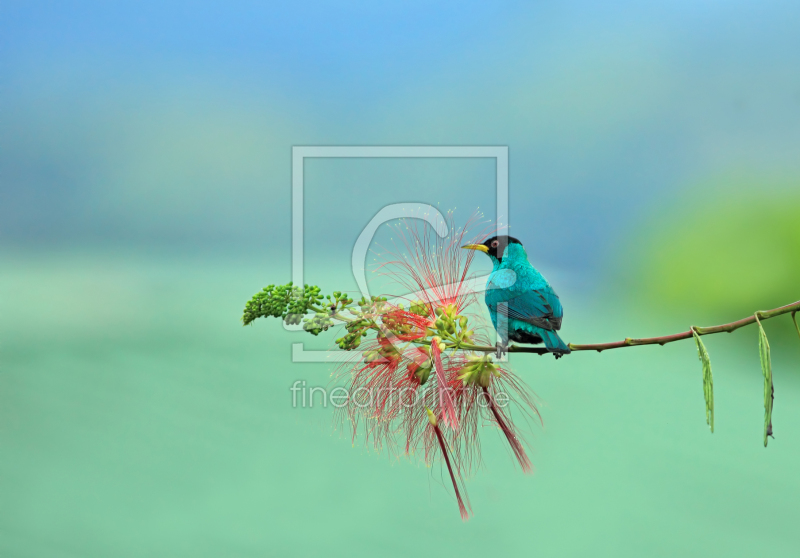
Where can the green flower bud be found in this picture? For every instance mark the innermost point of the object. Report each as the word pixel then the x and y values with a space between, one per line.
pixel 432 418
pixel 422 372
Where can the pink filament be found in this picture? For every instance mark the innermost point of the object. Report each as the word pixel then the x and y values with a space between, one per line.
pixel 445 399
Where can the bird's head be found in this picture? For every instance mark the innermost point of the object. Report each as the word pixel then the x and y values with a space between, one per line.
pixel 494 246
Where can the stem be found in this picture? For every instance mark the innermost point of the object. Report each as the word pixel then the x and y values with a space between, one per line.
pixel 729 327
pixel 461 507
pixel 794 308
pixel 628 342
pixel 335 314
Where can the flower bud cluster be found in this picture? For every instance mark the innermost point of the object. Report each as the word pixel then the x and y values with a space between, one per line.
pixel 386 351
pixel 452 327
pixel 288 302
pixel 479 371
pixel 363 321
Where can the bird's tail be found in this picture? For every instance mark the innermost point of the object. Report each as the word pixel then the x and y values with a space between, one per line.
pixel 554 343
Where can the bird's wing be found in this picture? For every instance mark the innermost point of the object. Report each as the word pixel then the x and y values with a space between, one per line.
pixel 538 306
pixel 501 280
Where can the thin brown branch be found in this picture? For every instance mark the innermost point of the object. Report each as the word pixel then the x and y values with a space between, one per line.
pixel 627 342
pixel 729 327
pixel 663 340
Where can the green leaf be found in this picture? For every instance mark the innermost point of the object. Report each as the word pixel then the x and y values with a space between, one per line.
pixel 794 319
pixel 769 389
pixel 708 379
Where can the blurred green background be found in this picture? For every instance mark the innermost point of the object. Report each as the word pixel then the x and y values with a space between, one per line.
pixel 145 196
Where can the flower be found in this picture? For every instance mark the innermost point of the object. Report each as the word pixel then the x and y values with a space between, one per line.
pixel 418 384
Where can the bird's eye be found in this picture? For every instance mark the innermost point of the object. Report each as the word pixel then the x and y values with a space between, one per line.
pixel 495 244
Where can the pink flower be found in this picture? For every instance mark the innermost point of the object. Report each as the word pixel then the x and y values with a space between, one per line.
pixel 413 386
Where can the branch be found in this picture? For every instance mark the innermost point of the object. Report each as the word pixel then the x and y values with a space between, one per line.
pixel 291 303
pixel 442 328
pixel 732 326
pixel 628 342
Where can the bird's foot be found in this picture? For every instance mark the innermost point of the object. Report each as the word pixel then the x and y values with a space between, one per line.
pixel 500 349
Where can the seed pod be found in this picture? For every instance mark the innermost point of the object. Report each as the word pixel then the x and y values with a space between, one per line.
pixel 432 418
pixel 423 373
pixel 484 378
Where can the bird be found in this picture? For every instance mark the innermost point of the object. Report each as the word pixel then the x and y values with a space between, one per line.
pixel 523 306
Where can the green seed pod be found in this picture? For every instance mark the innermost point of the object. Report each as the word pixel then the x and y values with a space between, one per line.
pixel 423 373
pixel 432 418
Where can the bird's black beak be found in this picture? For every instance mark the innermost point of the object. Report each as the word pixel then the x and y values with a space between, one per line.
pixel 479 247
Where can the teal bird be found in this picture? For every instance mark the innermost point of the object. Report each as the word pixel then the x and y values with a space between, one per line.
pixel 520 298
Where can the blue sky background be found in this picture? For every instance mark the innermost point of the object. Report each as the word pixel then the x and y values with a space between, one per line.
pixel 172 123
